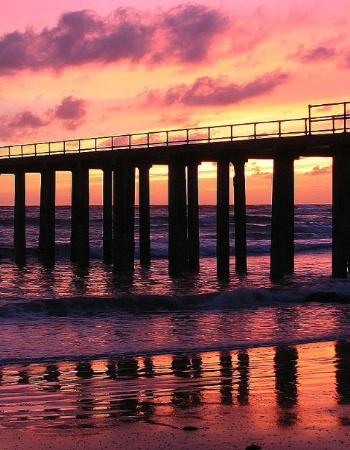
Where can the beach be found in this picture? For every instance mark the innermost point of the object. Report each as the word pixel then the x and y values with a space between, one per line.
pixel 288 397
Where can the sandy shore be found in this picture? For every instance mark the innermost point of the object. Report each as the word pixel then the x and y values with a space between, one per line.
pixel 150 436
pixel 292 397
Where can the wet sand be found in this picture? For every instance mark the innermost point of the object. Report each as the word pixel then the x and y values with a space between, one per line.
pixel 294 397
pixel 212 434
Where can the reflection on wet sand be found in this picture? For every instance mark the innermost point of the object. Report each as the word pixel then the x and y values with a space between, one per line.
pixel 285 365
pixel 243 380
pixel 226 382
pixel 187 366
pixel 342 371
pixel 163 387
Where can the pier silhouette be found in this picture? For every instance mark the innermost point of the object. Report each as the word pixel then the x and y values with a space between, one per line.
pixel 318 134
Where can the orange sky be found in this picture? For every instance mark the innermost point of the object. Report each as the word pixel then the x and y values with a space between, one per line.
pixel 76 68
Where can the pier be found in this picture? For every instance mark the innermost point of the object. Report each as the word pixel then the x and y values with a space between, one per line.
pixel 182 151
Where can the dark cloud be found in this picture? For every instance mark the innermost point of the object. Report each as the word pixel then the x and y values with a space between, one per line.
pixel 71 111
pixel 16 52
pixel 216 91
pixel 315 54
pixel 318 54
pixel 190 30
pixel 26 119
pixel 82 37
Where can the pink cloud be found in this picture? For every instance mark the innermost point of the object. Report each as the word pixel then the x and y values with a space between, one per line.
pixel 70 113
pixel 26 119
pixel 84 37
pixel 15 53
pixel 319 53
pixel 70 109
pixel 189 31
pixel 216 91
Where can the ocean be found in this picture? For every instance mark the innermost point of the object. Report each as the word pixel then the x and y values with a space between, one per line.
pixel 86 347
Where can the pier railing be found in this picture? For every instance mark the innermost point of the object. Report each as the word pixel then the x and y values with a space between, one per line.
pixel 322 118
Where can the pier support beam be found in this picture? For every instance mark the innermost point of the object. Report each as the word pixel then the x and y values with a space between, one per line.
pixel 107 192
pixel 193 216
pixel 223 219
pixel 144 215
pixel 239 208
pixel 80 216
pixel 341 215
pixel 282 220
pixel 20 219
pixel 47 215
pixel 177 217
pixel 124 217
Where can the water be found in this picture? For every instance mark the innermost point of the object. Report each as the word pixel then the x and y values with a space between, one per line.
pixel 62 324
pixel 65 311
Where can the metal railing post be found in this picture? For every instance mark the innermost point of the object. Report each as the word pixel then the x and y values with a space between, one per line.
pixel 309 107
pixel 344 117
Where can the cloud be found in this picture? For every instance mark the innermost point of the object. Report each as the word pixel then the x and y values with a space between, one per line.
pixel 26 119
pixel 184 33
pixel 71 111
pixel 83 37
pixel 320 53
pixel 257 172
pixel 317 170
pixel 69 114
pixel 215 91
pixel 15 52
pixel 189 31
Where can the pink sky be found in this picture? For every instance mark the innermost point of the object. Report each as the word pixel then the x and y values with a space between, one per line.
pixel 75 68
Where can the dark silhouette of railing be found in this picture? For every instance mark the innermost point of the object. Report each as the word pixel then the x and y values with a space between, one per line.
pixel 311 125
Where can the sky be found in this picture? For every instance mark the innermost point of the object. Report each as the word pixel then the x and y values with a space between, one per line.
pixel 79 68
